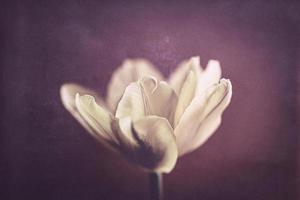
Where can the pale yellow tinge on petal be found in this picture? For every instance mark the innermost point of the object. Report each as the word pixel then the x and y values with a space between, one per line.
pixel 213 120
pixel 160 98
pixel 202 117
pixel 130 71
pixel 186 95
pixel 67 94
pixel 132 103
pixel 96 116
pixel 178 77
pixel 209 76
pixel 147 97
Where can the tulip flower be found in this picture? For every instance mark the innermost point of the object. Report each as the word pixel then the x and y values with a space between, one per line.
pixel 151 121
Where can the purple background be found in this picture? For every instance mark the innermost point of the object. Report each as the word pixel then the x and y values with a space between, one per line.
pixel 46 155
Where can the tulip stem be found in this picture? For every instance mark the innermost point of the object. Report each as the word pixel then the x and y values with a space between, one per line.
pixel 156 186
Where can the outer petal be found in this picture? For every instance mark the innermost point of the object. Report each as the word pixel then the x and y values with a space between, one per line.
pixel 130 71
pixel 202 117
pixel 149 142
pixel 178 77
pixel 209 76
pixel 67 94
pixel 147 97
pixel 96 117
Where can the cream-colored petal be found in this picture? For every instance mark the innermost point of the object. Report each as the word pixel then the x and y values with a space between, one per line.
pixel 202 117
pixel 149 142
pixel 96 117
pixel 130 71
pixel 67 94
pixel 178 77
pixel 190 81
pixel 209 76
pixel 123 130
pixel 147 97
pixel 160 98
pixel 186 95
pixel 213 119
pixel 132 103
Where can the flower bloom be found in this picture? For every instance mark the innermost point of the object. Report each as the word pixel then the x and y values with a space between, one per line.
pixel 149 120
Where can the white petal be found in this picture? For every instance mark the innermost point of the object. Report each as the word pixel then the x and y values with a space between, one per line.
pixel 132 103
pixel 186 95
pixel 147 97
pixel 130 71
pixel 160 98
pixel 202 117
pixel 209 76
pixel 67 94
pixel 123 130
pixel 178 77
pixel 149 142
pixel 96 117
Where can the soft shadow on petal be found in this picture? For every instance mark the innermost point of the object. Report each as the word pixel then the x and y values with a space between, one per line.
pixel 96 117
pixel 202 117
pixel 67 94
pixel 186 95
pixel 178 77
pixel 132 103
pixel 160 98
pixel 147 97
pixel 209 76
pixel 130 71
pixel 148 142
pixel 123 131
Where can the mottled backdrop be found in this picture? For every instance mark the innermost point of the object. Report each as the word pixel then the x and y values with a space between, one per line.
pixel 46 155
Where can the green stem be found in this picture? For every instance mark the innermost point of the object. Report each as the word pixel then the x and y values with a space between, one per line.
pixel 156 186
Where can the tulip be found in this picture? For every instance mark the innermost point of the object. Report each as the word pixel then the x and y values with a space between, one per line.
pixel 151 121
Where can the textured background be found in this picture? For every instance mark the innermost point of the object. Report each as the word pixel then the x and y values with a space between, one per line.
pixel 46 155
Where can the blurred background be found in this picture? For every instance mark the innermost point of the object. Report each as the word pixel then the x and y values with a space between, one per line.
pixel 46 154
